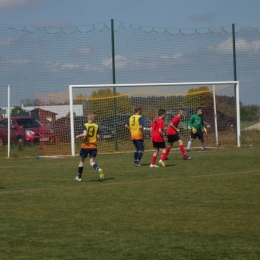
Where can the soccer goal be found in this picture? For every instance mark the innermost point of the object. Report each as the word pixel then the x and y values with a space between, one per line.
pixel 114 103
pixel 61 115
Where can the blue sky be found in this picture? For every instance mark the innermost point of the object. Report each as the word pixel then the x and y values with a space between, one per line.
pixel 157 13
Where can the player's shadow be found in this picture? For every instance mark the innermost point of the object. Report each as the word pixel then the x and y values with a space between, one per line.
pixel 200 151
pixel 106 179
pixel 170 165
pixel 167 165
pixel 2 188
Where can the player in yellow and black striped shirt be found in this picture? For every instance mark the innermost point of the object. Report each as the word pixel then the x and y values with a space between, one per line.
pixel 89 145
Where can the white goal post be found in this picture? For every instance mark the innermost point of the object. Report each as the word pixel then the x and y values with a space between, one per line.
pixel 146 86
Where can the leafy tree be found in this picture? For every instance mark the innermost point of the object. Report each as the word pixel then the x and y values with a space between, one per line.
pixel 244 114
pixel 105 102
pixel 201 96
pixel 250 112
pixel 79 99
pixel 68 115
pixel 52 102
pixel 16 110
pixel 29 102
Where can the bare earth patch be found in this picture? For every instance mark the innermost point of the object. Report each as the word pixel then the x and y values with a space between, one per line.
pixel 253 127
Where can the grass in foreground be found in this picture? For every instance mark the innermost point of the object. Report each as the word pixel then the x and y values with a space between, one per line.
pixel 206 208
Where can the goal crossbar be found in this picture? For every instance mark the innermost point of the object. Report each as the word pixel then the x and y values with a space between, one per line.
pixel 154 84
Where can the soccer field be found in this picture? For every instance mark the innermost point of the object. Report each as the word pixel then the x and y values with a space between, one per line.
pixel 205 208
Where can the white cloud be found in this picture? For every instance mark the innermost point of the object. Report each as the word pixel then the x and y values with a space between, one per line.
pixel 242 45
pixel 174 57
pixel 69 66
pixel 81 51
pixel 6 42
pixel 120 62
pixel 55 66
pixel 17 4
pixel 20 62
pixel 89 67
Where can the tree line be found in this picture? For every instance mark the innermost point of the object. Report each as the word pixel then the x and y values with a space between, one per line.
pixel 106 102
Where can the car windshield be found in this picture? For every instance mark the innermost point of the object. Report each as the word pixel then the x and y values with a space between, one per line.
pixel 169 117
pixel 147 121
pixel 28 122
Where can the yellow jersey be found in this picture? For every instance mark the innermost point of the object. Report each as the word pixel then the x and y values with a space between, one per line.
pixel 135 121
pixel 90 141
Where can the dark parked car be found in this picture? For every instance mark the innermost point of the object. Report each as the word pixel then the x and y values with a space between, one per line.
pixel 224 121
pixel 26 130
pixel 61 128
pixel 119 125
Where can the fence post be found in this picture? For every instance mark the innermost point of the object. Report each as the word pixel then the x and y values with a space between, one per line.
pixel 114 81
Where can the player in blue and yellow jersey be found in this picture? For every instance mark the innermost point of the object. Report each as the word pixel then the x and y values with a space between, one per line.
pixel 135 125
pixel 89 145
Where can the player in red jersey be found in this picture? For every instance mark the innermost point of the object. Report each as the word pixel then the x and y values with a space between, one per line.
pixel 158 138
pixel 172 133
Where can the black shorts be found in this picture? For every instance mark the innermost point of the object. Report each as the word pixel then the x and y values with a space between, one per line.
pixel 85 152
pixel 159 145
pixel 139 144
pixel 199 134
pixel 173 138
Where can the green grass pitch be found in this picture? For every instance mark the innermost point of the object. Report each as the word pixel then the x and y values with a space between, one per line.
pixel 206 208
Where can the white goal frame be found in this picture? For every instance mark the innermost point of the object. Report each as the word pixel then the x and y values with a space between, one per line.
pixel 147 85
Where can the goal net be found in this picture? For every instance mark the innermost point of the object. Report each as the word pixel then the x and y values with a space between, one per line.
pixel 114 104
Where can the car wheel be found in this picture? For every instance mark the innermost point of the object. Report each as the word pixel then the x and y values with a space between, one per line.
pixel 230 126
pixel 30 143
pixel 21 140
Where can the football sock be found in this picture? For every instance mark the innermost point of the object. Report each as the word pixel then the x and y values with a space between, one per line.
pixel 189 145
pixel 202 145
pixel 139 157
pixel 163 156
pixel 95 166
pixel 167 151
pixel 184 155
pixel 136 155
pixel 80 170
pixel 153 160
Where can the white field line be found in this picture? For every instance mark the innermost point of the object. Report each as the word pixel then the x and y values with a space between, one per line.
pixel 257 172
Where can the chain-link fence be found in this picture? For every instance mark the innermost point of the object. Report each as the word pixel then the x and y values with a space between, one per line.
pixel 48 60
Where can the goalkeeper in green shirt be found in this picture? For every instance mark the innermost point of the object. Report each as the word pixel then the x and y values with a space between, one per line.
pixel 198 127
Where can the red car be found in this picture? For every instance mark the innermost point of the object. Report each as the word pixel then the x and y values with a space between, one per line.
pixel 26 130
